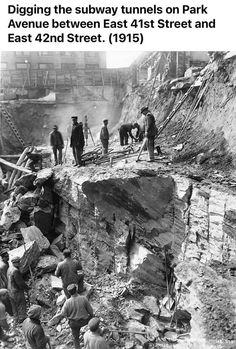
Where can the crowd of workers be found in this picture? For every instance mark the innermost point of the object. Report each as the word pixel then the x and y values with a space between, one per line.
pixel 79 138
pixel 76 309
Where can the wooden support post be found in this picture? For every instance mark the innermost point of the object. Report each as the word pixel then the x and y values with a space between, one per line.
pixel 16 167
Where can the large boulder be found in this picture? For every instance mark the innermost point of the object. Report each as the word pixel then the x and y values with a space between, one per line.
pixel 26 180
pixel 28 201
pixel 43 176
pixel 29 255
pixel 46 264
pixel 33 233
pixel 10 214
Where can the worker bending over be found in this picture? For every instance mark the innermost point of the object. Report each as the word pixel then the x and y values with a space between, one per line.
pixel 125 133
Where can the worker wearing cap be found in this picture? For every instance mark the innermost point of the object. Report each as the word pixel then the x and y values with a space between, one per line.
pixel 4 265
pixel 104 137
pixel 16 288
pixel 33 332
pixel 3 319
pixel 125 132
pixel 77 140
pixel 77 310
pixel 93 338
pixel 150 131
pixel 70 271
pixel 35 161
pixel 57 144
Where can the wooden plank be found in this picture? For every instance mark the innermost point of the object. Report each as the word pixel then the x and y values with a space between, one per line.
pixel 12 156
pixel 19 168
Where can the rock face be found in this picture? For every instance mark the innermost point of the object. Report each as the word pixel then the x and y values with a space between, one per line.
pixel 211 304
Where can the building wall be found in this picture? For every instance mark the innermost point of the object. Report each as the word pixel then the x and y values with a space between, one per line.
pixel 47 60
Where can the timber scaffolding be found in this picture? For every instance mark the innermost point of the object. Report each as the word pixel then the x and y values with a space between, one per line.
pixel 53 78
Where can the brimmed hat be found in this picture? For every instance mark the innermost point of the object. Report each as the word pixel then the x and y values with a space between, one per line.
pixel 94 324
pixel 54 126
pixel 105 120
pixel 143 109
pixel 74 117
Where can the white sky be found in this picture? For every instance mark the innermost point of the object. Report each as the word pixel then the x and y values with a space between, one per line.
pixel 120 59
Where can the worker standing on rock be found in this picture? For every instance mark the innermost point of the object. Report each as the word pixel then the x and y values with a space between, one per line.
pixel 77 140
pixel 125 133
pixel 4 265
pixel 93 338
pixel 77 310
pixel 104 137
pixel 150 131
pixel 57 144
pixel 70 272
pixel 16 288
pixel 34 334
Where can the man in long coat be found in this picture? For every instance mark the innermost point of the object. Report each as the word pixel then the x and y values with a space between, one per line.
pixel 77 140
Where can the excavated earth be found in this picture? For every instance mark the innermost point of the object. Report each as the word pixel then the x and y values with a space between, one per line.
pixel 145 230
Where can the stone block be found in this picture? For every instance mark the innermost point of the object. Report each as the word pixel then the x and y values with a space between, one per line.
pixel 56 283
pixel 43 176
pixel 151 304
pixel 46 264
pixel 10 214
pixel 28 201
pixel 26 180
pixel 33 233
pixel 28 253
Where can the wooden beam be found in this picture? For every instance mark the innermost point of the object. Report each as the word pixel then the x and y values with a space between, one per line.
pixel 19 168
pixel 11 156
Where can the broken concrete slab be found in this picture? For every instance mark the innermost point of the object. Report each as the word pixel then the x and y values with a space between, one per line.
pixel 33 233
pixel 43 176
pixel 46 264
pixel 28 253
pixel 10 214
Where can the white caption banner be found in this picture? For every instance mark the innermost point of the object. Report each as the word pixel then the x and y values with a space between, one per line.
pixel 121 25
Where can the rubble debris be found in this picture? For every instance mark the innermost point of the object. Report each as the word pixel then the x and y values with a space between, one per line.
pixel 33 233
pixel 46 264
pixel 29 255
pixel 43 176
pixel 10 214
pixel 28 201
pixel 26 181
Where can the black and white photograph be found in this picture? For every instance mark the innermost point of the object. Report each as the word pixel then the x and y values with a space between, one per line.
pixel 117 199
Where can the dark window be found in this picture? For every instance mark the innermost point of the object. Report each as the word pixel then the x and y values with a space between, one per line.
pixel 91 66
pixel 45 66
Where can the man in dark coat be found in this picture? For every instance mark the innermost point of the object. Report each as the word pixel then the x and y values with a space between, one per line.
pixel 16 288
pixel 77 140
pixel 34 334
pixel 57 144
pixel 70 271
pixel 150 131
pixel 104 137
pixel 125 133
pixel 3 318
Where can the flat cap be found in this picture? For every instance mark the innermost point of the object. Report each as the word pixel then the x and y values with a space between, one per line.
pixel 34 311
pixel 71 287
pixel 94 324
pixel 105 120
pixel 144 108
pixel 74 117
